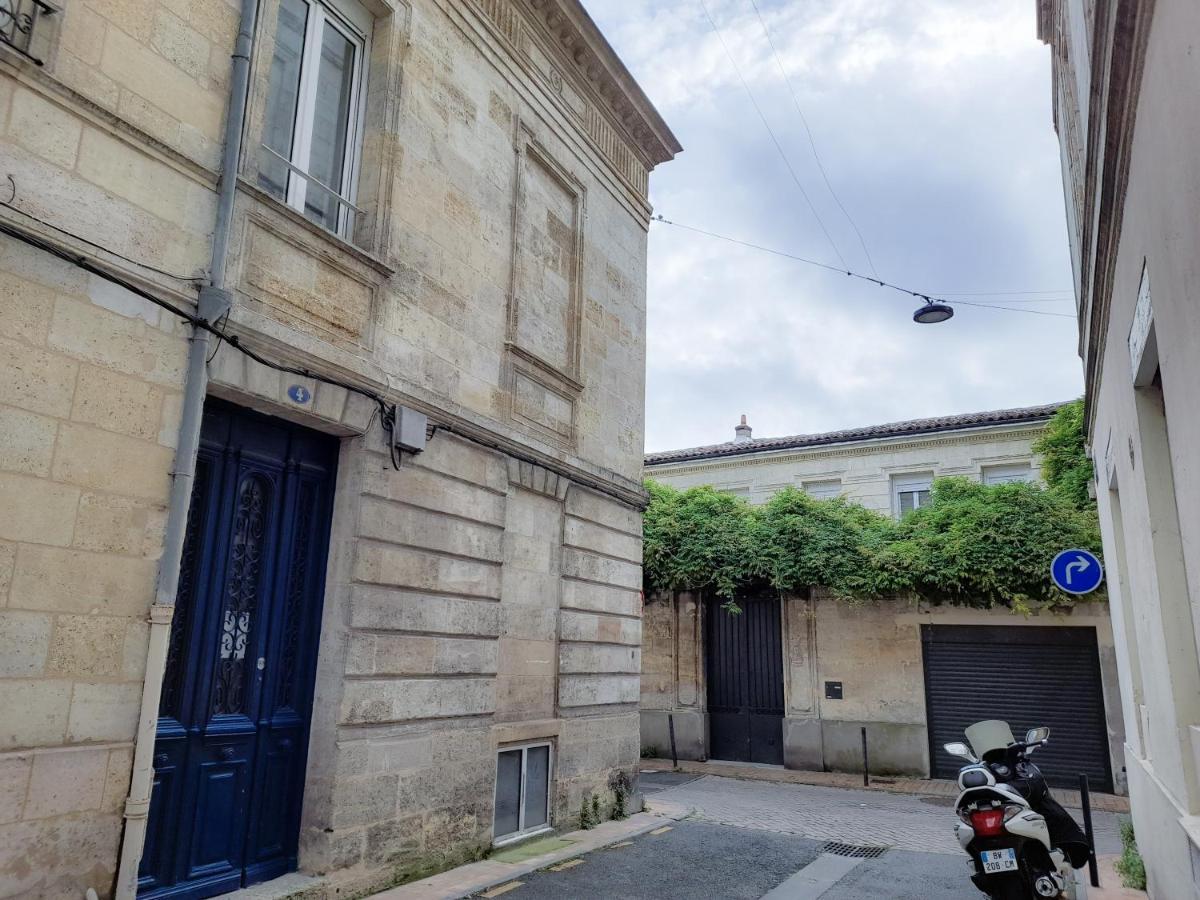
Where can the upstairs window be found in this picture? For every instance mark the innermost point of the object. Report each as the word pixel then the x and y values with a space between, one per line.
pixel 1007 474
pixel 823 490
pixel 911 492
pixel 314 110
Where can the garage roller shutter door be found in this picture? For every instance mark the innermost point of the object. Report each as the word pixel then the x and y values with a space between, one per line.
pixel 1028 676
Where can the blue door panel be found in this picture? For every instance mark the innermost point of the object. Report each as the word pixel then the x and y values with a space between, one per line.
pixel 234 713
pixel 220 788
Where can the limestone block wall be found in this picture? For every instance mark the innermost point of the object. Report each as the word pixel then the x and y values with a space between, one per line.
pixel 874 650
pixel 472 603
pixel 456 624
pixel 90 380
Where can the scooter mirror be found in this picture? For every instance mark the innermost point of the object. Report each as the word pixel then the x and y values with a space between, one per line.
pixel 960 749
pixel 1037 735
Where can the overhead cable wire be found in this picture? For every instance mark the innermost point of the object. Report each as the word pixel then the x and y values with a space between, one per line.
pixel 385 409
pixel 920 295
pixel 811 140
pixel 774 139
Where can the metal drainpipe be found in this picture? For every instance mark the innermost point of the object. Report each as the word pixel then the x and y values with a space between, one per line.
pixel 215 300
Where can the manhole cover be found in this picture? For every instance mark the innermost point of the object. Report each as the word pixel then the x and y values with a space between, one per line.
pixel 839 849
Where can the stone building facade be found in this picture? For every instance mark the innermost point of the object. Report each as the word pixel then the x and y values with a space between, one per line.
pixel 1126 113
pixel 412 557
pixel 843 667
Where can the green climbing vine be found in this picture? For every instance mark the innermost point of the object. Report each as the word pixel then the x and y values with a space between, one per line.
pixel 974 545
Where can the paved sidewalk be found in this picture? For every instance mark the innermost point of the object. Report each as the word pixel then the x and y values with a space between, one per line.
pixel 886 784
pixel 491 873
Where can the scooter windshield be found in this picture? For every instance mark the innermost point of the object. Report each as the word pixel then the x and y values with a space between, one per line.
pixel 988 736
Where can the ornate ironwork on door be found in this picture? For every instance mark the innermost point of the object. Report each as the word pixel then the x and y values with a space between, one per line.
pixel 241 596
pixel 19 25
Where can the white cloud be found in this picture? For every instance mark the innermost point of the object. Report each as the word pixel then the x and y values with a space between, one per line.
pixel 933 121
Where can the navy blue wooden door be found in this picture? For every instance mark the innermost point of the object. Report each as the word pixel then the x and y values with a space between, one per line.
pixel 232 739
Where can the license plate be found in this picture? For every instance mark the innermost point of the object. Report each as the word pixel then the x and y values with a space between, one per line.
pixel 999 860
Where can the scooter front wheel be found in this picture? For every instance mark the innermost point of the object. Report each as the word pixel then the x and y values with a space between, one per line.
pixel 1010 888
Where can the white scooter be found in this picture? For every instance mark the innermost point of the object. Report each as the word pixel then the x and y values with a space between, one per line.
pixel 1022 843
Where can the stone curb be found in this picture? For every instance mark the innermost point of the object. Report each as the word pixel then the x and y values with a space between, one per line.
pixel 481 876
pixel 886 784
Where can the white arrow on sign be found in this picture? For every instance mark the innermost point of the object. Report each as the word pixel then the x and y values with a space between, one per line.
pixel 1078 565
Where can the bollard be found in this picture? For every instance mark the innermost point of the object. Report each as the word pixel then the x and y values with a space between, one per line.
pixel 1085 801
pixel 866 776
pixel 671 728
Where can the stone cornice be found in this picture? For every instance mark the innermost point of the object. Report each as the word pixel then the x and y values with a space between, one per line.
pixel 610 105
pixel 569 23
pixel 1110 140
pixel 859 448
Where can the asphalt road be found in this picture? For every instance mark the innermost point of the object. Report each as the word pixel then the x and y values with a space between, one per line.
pixel 753 839
pixel 703 861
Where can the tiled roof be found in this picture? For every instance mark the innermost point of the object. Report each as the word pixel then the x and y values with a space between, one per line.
pixel 1021 416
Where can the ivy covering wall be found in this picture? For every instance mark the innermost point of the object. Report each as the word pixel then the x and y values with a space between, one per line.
pixel 975 545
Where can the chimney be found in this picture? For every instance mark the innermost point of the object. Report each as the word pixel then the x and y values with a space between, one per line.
pixel 742 431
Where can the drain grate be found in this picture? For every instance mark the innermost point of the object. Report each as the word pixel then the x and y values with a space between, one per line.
pixel 839 849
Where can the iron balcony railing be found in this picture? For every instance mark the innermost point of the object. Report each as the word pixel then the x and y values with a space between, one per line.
pixel 18 24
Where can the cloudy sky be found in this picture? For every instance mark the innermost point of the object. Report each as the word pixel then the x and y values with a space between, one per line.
pixel 933 121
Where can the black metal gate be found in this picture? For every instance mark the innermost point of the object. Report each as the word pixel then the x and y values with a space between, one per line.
pixel 745 682
pixel 1027 676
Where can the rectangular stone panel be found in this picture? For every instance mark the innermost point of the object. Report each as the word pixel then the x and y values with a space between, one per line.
pixel 404 654
pixel 589 627
pixel 598 658
pixel 431 490
pixel 539 405
pixel 597 690
pixel 585 504
pixel 582 564
pixel 380 608
pixel 386 521
pixel 546 263
pixel 298 286
pixel 425 570
pixel 407 699
pixel 601 598
pixel 586 535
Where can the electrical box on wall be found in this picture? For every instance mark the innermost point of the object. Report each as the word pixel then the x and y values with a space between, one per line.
pixel 833 690
pixel 411 428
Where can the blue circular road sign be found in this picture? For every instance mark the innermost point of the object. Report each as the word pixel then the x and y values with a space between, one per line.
pixel 1077 571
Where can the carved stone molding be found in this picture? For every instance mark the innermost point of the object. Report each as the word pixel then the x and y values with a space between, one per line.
pixel 535 478
pixel 595 86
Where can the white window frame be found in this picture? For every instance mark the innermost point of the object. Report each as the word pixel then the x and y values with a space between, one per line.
pixel 522 831
pixel 822 486
pixel 1007 473
pixel 354 23
pixel 910 484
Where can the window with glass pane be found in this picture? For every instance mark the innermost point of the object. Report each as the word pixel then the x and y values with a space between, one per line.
pixel 307 152
pixel 823 490
pixel 1008 474
pixel 911 492
pixel 522 790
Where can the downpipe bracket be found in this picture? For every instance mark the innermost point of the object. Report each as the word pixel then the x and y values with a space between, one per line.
pixel 214 303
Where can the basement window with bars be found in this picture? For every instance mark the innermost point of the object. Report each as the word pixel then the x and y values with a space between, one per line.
pixel 312 129
pixel 522 792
